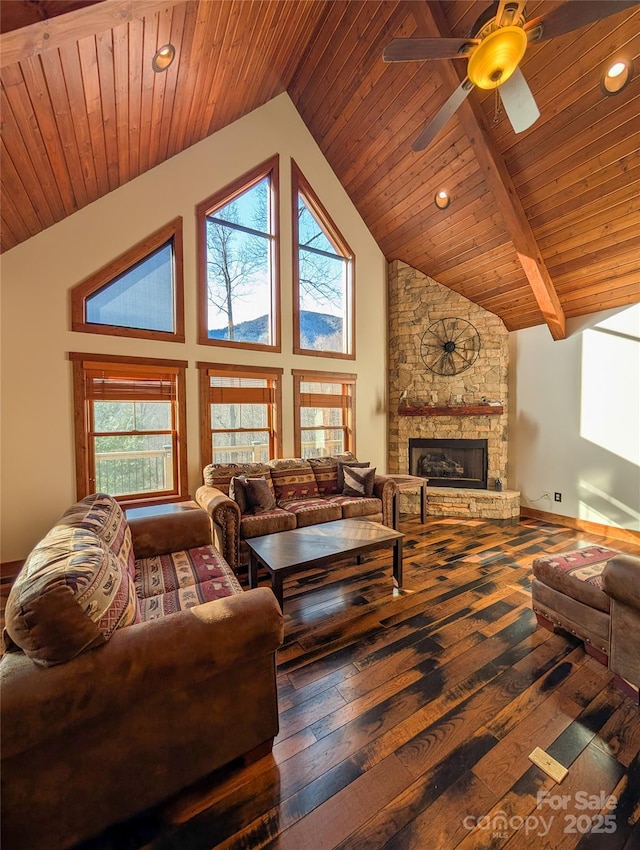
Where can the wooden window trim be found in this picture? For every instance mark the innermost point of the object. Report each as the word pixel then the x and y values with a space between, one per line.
pixel 82 291
pixel 81 362
pixel 299 184
pixel 270 167
pixel 348 411
pixel 237 371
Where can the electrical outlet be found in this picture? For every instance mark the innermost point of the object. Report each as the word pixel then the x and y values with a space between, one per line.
pixel 557 497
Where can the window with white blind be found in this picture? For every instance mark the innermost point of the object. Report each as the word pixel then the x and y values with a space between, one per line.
pixel 139 294
pixel 240 413
pixel 325 413
pixel 130 428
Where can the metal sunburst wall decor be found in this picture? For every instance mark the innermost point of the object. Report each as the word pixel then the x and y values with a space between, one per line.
pixel 449 346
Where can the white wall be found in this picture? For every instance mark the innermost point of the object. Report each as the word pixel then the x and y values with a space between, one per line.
pixel 574 424
pixel 37 474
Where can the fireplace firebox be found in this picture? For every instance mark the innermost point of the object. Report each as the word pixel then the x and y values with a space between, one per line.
pixel 450 463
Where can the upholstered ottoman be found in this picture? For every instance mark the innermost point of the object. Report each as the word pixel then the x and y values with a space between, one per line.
pixel 567 592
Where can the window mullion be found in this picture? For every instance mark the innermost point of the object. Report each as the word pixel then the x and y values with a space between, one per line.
pixel 240 227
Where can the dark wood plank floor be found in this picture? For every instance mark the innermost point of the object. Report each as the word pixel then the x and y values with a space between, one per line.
pixel 406 718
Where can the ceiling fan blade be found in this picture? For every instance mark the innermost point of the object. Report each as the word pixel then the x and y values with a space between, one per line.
pixel 443 117
pixel 573 15
pixel 417 49
pixel 518 101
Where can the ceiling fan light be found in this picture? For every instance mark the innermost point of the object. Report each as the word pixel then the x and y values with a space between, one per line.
pixel 442 199
pixel 497 57
pixel 163 58
pixel 616 77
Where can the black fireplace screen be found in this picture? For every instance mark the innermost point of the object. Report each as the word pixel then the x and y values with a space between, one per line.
pixel 450 463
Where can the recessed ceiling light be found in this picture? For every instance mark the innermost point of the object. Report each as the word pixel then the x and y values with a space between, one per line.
pixel 616 77
pixel 163 58
pixel 441 199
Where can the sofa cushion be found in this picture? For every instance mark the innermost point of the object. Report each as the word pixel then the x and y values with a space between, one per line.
pixel 357 506
pixel 312 511
pixel 577 574
pixel 325 470
pixel 220 474
pixel 358 482
pixel 103 515
pixel 269 522
pixel 70 596
pixel 260 495
pixel 176 570
pixel 293 478
pixel 164 604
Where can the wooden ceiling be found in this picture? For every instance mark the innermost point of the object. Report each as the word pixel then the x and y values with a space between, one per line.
pixel 542 226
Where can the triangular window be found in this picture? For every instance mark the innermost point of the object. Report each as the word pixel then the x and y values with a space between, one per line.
pixel 139 294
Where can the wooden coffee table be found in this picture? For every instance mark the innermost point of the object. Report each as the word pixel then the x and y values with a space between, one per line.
pixel 287 552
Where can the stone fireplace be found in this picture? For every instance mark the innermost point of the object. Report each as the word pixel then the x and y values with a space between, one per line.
pixel 471 405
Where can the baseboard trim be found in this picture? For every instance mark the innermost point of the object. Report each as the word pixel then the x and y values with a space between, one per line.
pixel 624 534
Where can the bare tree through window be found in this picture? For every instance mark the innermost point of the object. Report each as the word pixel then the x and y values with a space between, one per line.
pixel 238 249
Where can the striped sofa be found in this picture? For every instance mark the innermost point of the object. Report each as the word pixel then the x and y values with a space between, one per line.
pixel 304 492
pixel 129 647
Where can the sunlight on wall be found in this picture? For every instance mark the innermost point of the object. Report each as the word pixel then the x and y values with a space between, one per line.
pixel 610 410
pixel 595 505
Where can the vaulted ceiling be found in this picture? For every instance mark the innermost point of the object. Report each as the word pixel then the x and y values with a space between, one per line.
pixel 542 226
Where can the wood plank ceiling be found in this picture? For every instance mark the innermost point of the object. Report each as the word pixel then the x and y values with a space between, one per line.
pixel 83 113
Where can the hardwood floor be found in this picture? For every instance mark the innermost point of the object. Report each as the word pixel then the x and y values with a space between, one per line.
pixel 407 716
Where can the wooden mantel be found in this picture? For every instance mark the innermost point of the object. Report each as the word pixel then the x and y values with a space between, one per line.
pixel 452 410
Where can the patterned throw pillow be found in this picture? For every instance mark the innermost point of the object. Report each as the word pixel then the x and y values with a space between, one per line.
pixel 260 495
pixel 358 482
pixel 352 463
pixel 70 596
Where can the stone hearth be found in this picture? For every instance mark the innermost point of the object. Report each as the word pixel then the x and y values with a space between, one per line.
pixel 465 503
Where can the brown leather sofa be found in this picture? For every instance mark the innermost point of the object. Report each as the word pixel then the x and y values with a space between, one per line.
pixel 304 492
pixel 134 665
pixel 621 583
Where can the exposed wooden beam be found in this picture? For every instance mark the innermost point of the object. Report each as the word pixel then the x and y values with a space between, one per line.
pixel 53 32
pixel 21 13
pixel 432 23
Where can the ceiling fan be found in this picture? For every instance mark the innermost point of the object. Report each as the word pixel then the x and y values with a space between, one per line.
pixel 500 38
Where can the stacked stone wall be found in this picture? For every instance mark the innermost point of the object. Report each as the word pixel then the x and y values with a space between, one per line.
pixel 415 302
